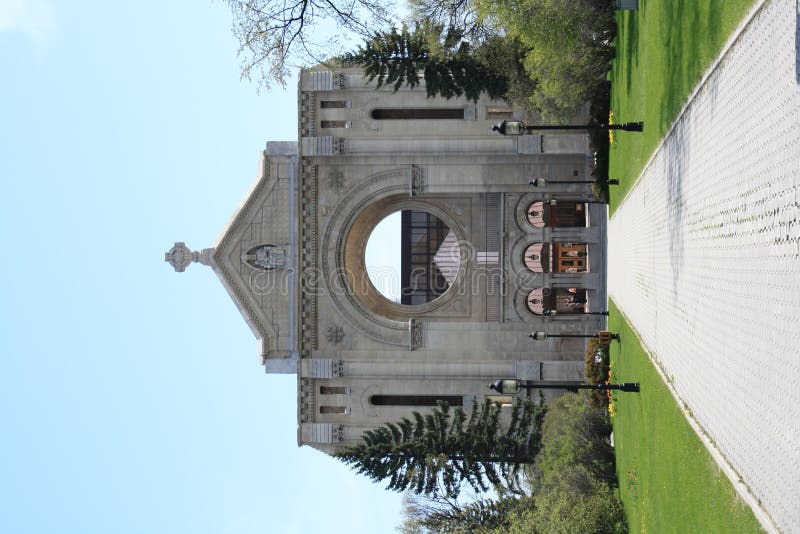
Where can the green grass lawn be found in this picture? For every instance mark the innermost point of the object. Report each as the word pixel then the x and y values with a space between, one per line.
pixel 668 480
pixel 663 49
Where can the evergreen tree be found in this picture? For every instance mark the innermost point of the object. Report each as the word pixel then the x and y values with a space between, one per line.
pixel 441 450
pixel 398 57
pixel 425 514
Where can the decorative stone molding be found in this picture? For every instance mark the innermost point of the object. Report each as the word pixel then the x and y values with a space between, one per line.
pixel 335 333
pixel 338 146
pixel 308 114
pixel 323 433
pixel 306 400
pixel 339 81
pixel 243 217
pixel 326 145
pixel 336 180
pixel 308 255
pixel 415 334
pixel 321 80
pixel 322 368
pixel 418 180
pixel 180 256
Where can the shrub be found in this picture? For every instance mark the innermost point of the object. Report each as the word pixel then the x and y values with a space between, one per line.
pixel 596 368
pixel 574 433
pixel 575 501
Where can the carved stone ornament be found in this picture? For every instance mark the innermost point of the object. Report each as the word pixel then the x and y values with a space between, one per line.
pixel 336 180
pixel 335 334
pixel 265 257
pixel 418 180
pixel 339 81
pixel 180 256
pixel 415 334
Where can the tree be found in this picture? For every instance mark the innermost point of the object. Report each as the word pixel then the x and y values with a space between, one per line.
pixel 575 501
pixel 440 513
pixel 437 453
pixel 397 58
pixel 457 18
pixel 569 42
pixel 276 35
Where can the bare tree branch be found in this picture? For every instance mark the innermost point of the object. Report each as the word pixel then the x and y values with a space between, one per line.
pixel 278 35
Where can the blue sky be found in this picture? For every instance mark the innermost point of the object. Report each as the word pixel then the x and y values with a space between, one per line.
pixel 131 398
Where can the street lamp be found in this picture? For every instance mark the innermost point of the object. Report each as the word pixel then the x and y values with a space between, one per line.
pixel 603 336
pixel 519 128
pixel 513 386
pixel 555 312
pixel 541 182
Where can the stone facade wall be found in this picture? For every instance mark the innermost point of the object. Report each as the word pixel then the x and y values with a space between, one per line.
pixel 317 201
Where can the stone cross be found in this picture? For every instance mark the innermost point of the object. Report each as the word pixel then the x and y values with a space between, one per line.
pixel 180 256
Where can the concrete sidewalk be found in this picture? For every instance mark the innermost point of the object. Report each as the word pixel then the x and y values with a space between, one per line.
pixel 704 259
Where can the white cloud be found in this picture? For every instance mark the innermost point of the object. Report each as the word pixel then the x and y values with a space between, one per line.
pixel 33 18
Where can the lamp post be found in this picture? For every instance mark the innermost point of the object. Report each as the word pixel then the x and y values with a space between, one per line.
pixel 520 128
pixel 513 386
pixel 555 312
pixel 541 182
pixel 602 335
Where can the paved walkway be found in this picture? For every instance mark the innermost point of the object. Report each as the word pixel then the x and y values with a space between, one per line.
pixel 704 259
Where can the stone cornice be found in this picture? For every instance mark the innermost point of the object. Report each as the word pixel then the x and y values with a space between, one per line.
pixel 231 280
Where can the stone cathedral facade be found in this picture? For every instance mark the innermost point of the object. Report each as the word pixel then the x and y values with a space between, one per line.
pixel 487 258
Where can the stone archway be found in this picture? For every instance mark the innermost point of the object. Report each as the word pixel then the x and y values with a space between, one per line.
pixel 343 265
pixel 354 265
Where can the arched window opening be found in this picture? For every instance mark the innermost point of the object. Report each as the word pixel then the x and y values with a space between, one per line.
pixel 552 213
pixel 382 114
pixel 334 104
pixel 334 124
pixel 536 214
pixel 416 400
pixel 333 390
pixel 561 300
pixel 537 257
pixel 333 410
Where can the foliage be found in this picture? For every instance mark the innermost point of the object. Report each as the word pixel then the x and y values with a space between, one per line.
pixel 575 501
pixel 449 69
pixel 457 18
pixel 505 54
pixel 574 433
pixel 569 46
pixel 275 36
pixel 437 453
pixel 443 514
pixel 596 371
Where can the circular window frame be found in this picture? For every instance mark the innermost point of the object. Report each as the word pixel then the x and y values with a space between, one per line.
pixel 354 257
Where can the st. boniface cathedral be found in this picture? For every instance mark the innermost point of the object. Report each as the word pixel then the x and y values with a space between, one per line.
pixel 486 257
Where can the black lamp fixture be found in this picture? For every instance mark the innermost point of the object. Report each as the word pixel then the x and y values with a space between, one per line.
pixel 604 337
pixel 541 182
pixel 508 127
pixel 514 386
pixel 552 313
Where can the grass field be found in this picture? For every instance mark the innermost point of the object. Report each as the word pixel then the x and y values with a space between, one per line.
pixel 668 481
pixel 663 49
